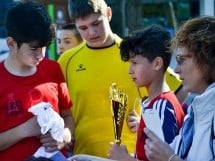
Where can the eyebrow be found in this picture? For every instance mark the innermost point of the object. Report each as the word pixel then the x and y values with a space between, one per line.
pixel 96 20
pixel 35 46
pixel 65 38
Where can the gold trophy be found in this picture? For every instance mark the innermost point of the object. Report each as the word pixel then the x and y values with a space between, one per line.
pixel 118 108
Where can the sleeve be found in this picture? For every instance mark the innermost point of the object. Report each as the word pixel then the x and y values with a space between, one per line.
pixel 67 56
pixel 168 121
pixel 63 92
pixel 63 60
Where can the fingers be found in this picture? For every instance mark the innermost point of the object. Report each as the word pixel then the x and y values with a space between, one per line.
pixel 149 142
pixel 49 143
pixel 132 118
pixel 155 148
pixel 133 113
pixel 150 135
pixel 51 148
pixel 132 127
pixel 115 151
pixel 133 121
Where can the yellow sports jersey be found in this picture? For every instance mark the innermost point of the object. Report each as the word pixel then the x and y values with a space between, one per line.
pixel 172 79
pixel 89 74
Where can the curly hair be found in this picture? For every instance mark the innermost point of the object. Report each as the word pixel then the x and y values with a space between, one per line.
pixel 151 42
pixel 198 36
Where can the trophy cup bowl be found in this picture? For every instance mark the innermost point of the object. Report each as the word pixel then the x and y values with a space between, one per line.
pixel 118 108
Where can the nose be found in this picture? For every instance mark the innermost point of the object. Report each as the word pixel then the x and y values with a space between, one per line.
pixel 177 69
pixel 130 70
pixel 40 53
pixel 91 31
pixel 60 47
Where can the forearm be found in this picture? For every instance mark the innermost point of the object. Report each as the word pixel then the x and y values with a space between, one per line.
pixel 69 122
pixel 11 137
pixel 27 129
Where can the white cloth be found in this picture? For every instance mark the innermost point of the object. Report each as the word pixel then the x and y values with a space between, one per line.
pixel 49 121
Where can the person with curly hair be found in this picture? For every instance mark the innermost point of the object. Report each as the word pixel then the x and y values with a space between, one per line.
pixel 195 44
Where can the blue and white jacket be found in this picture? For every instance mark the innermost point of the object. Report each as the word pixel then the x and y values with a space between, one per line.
pixel 203 145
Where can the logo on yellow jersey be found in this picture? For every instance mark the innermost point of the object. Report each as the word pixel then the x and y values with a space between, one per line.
pixel 80 68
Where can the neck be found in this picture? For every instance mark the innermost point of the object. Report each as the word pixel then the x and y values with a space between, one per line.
pixel 16 68
pixel 157 90
pixel 110 40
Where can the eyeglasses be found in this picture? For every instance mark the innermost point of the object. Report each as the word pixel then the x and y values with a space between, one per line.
pixel 181 58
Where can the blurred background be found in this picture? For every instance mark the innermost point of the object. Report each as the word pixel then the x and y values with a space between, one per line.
pixel 128 15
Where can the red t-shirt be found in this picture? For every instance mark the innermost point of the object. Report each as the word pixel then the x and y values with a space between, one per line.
pixel 18 94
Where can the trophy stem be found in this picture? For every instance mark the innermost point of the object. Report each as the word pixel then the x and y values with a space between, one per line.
pixel 117 138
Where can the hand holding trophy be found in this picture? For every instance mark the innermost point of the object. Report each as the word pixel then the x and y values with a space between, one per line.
pixel 118 108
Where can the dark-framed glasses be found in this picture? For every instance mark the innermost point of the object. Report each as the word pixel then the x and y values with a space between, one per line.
pixel 180 59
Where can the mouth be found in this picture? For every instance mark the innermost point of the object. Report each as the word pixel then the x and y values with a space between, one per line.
pixel 61 50
pixel 36 61
pixel 94 39
pixel 133 79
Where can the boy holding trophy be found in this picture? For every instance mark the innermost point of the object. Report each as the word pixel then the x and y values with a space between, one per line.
pixel 148 54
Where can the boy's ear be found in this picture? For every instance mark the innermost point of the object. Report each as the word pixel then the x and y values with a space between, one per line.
pixel 158 63
pixel 109 13
pixel 11 43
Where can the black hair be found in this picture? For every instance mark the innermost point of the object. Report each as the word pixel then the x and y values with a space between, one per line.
pixel 28 21
pixel 151 42
pixel 83 8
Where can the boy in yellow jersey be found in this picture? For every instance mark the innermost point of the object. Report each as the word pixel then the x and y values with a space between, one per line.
pixel 89 70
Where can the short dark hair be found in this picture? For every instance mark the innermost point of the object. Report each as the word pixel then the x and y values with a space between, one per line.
pixel 72 27
pixel 198 36
pixel 151 42
pixel 82 8
pixel 29 21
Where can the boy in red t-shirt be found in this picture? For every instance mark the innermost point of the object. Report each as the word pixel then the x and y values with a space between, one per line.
pixel 28 78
